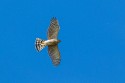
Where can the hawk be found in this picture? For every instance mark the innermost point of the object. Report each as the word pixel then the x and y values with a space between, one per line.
pixel 52 42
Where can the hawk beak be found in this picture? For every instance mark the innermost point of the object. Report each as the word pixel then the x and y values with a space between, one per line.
pixel 59 40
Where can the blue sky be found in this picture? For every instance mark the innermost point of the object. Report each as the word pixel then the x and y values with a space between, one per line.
pixel 92 34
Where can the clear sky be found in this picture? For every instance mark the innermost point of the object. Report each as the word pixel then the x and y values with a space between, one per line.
pixel 92 34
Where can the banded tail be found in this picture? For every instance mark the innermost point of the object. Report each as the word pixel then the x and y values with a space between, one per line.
pixel 39 44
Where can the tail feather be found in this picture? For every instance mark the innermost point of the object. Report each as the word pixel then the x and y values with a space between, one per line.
pixel 39 44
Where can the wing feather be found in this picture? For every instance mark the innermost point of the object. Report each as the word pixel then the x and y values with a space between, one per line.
pixel 53 29
pixel 54 54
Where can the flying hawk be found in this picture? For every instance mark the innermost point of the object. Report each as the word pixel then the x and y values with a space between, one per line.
pixel 52 42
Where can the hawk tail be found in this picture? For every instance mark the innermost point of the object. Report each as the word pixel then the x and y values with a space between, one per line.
pixel 39 44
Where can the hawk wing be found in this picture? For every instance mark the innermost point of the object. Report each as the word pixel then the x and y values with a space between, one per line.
pixel 54 54
pixel 53 29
